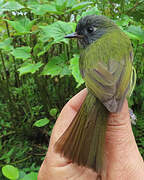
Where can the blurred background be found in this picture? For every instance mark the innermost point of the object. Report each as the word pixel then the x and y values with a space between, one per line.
pixel 39 73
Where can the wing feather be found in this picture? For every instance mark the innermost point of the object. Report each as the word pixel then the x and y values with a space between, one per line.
pixel 110 85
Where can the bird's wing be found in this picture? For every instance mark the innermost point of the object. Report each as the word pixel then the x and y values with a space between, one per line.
pixel 110 83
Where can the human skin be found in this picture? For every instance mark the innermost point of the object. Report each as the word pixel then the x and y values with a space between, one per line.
pixel 122 158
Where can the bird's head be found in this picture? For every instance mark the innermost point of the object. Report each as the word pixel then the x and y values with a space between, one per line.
pixel 90 28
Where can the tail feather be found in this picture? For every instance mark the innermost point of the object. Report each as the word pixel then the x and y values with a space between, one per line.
pixel 83 141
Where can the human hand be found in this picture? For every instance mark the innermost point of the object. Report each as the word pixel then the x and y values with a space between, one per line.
pixel 123 160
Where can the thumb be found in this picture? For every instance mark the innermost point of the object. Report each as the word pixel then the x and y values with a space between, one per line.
pixel 123 159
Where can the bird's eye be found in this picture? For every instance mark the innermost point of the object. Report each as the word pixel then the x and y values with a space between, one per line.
pixel 90 29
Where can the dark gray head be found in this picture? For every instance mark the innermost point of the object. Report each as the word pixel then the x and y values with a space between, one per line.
pixel 90 28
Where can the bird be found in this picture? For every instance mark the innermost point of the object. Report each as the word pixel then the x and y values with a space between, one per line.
pixel 105 63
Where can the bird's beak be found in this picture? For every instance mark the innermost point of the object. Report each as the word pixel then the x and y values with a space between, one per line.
pixel 74 35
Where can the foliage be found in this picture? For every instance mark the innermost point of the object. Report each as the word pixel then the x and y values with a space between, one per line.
pixel 12 173
pixel 139 132
pixel 39 72
pixel 41 122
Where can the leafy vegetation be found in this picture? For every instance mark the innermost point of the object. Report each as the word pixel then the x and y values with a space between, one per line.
pixel 39 73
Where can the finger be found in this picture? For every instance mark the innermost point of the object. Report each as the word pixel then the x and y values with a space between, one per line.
pixel 121 149
pixel 119 127
pixel 120 118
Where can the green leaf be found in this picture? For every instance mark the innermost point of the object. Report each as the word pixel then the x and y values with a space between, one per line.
pixel 56 66
pixel 30 176
pixel 1 10
pixel 6 44
pixel 137 32
pixel 71 3
pixel 10 172
pixel 74 66
pixel 90 11
pixel 53 112
pixel 41 122
pixel 41 9
pixel 131 36
pixel 11 6
pixel 45 48
pixel 56 31
pixel 22 52
pixel 1 2
pixel 61 5
pixel 21 174
pixel 22 25
pixel 124 20
pixel 53 34
pixel 29 68
pixel 7 155
pixel 81 5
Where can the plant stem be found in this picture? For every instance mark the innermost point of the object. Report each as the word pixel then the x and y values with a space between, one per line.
pixel 16 73
pixel 9 133
pixel 5 71
pixel 7 28
pixel 22 160
pixel 15 70
pixel 67 51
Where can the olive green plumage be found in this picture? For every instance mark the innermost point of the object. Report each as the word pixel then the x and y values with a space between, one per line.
pixel 106 67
